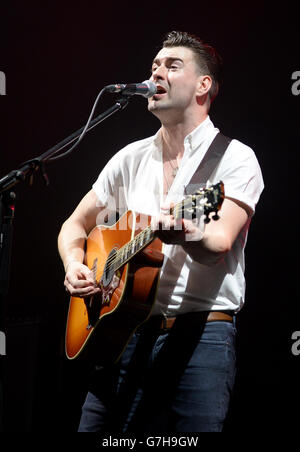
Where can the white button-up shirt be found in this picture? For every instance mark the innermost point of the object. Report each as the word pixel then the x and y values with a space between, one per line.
pixel 133 180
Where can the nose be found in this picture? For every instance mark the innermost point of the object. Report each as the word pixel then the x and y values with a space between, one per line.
pixel 159 73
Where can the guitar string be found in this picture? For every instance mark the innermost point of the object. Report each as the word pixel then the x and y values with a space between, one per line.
pixel 119 253
pixel 140 236
pixel 146 230
pixel 134 241
pixel 132 244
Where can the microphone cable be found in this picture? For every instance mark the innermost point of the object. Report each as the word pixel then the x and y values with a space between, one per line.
pixel 85 128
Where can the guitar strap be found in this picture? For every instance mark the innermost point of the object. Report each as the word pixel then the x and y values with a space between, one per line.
pixel 209 163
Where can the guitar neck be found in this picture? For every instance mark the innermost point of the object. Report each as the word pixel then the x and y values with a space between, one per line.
pixel 128 251
pixel 206 200
pixel 140 241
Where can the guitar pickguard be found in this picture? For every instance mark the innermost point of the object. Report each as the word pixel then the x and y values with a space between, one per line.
pixel 107 291
pixel 107 285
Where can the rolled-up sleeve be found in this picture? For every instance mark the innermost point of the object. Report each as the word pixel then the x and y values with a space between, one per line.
pixel 241 174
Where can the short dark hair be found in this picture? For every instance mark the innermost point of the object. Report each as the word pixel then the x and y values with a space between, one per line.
pixel 208 59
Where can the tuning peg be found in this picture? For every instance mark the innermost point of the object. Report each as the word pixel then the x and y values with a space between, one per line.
pixel 206 219
pixel 216 216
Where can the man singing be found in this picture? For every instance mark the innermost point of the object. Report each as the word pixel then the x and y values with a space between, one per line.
pixel 178 370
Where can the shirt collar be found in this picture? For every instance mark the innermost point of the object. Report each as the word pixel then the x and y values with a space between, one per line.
pixel 198 135
pixel 194 139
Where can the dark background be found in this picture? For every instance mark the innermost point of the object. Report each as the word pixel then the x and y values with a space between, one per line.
pixel 56 57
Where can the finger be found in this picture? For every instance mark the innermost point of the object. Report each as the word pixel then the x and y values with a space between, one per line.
pixel 86 273
pixel 167 207
pixel 79 283
pixel 192 232
pixel 154 224
pixel 187 225
pixel 82 292
pixel 79 271
pixel 178 224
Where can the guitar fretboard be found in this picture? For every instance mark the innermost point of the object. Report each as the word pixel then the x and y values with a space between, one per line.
pixel 204 200
pixel 140 241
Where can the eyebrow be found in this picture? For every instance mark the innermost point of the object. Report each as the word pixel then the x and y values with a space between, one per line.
pixel 168 59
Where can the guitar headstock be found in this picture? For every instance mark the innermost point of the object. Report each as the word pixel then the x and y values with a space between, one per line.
pixel 204 201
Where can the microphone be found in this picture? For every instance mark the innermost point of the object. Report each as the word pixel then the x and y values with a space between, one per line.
pixel 146 88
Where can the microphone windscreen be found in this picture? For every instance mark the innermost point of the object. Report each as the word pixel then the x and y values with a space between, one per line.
pixel 152 88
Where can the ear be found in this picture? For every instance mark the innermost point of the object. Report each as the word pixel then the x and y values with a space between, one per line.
pixel 203 85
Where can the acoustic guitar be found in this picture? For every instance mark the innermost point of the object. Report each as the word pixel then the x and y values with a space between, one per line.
pixel 125 259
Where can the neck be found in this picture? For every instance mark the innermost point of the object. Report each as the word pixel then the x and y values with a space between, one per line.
pixel 173 135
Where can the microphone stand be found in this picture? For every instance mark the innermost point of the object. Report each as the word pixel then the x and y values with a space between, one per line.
pixel 7 211
pixel 38 163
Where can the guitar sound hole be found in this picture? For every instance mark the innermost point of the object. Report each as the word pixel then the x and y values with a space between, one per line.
pixel 109 269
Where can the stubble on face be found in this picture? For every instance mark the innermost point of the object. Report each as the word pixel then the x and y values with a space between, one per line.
pixel 175 72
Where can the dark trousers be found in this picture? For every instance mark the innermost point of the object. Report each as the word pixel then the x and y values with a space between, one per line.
pixel 179 381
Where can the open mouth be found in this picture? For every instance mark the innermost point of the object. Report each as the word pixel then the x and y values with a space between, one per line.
pixel 160 91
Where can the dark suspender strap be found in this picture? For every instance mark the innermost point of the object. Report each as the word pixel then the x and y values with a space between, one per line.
pixel 209 163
